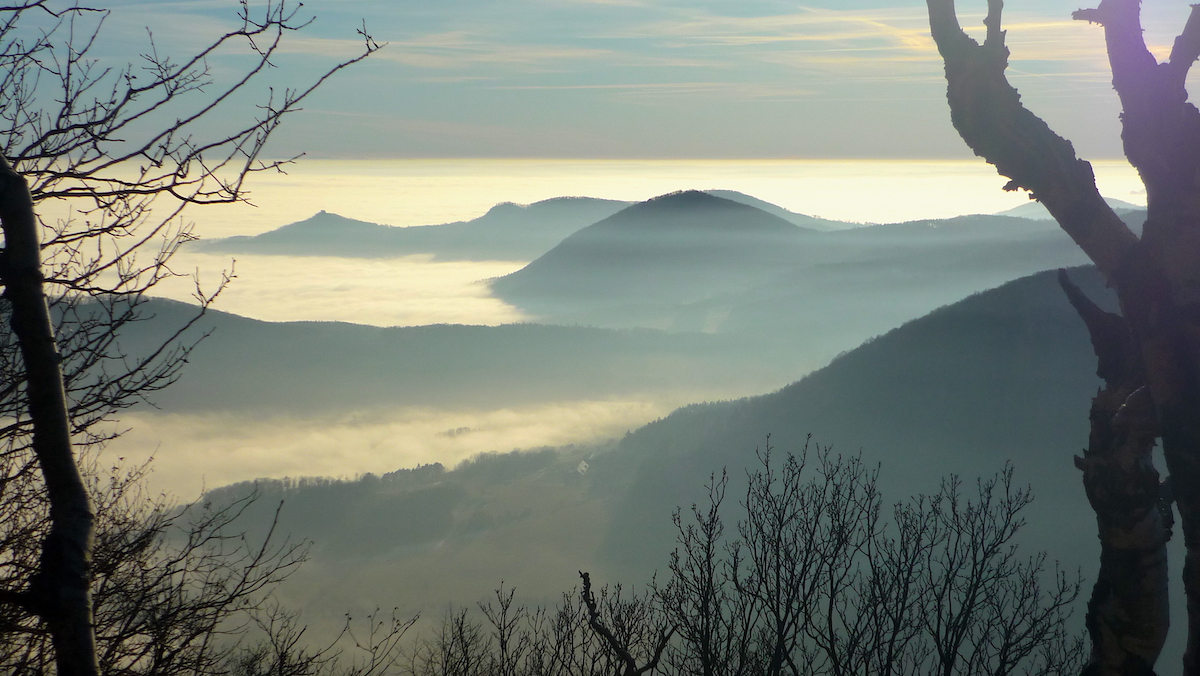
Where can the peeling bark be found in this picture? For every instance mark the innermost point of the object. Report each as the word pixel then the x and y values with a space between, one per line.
pixel 1128 614
pixel 60 592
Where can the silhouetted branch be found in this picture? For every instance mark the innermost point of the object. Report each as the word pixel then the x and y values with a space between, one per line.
pixel 125 147
pixel 617 646
pixel 1186 49
pixel 988 114
pixel 1116 354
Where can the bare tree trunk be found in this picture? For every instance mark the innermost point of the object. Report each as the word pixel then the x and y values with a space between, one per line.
pixel 1161 135
pixel 1157 277
pixel 61 590
pixel 1128 614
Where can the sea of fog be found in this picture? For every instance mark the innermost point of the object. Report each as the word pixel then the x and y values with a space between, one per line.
pixel 191 452
pixel 430 191
pixel 415 290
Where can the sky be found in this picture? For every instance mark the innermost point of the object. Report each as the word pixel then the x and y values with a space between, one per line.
pixel 651 78
pixel 645 80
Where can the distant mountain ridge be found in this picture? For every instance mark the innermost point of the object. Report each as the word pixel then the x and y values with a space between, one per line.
pixel 684 246
pixel 508 231
pixel 630 270
pixel 1036 211
pixel 694 261
pixel 247 365
pixel 1005 375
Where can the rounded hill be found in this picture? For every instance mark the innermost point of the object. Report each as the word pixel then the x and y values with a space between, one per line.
pixel 678 247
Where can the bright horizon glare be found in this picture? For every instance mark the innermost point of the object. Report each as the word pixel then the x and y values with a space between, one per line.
pixel 416 290
pixel 434 191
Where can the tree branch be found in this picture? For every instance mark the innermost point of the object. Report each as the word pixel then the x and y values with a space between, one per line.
pixel 1116 352
pixel 622 650
pixel 988 114
pixel 1127 52
pixel 1186 49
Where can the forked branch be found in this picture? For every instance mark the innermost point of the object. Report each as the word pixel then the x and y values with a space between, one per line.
pixel 617 646
pixel 988 114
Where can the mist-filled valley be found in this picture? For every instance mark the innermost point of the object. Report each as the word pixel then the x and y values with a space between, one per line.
pixel 663 341
pixel 626 318
pixel 599 337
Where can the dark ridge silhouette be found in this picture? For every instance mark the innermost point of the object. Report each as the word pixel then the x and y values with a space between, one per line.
pixel 683 246
pixel 299 367
pixel 506 232
pixel 809 222
pixel 1005 375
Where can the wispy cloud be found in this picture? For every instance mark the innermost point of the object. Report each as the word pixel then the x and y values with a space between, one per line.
pixel 611 3
pixel 457 49
pixel 903 27
pixel 742 90
pixel 859 42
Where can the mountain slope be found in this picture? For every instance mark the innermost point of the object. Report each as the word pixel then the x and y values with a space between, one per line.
pixel 802 220
pixel 1006 375
pixel 679 247
pixel 299 367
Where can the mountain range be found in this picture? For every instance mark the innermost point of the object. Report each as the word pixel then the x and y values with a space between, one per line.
pixel 749 298
pixel 297 367
pixel 1003 376
pixel 834 288
pixel 973 377
pixel 507 231
pixel 679 247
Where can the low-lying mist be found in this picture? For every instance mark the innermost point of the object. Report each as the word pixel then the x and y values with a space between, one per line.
pixel 194 452
pixel 407 291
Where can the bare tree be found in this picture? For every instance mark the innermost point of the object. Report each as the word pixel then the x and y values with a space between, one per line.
pixel 716 624
pixel 812 582
pixel 122 151
pixel 627 630
pixel 1149 355
pixel 183 591
pixel 818 583
pixel 590 632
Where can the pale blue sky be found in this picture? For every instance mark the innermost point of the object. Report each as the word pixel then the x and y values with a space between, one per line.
pixel 657 78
